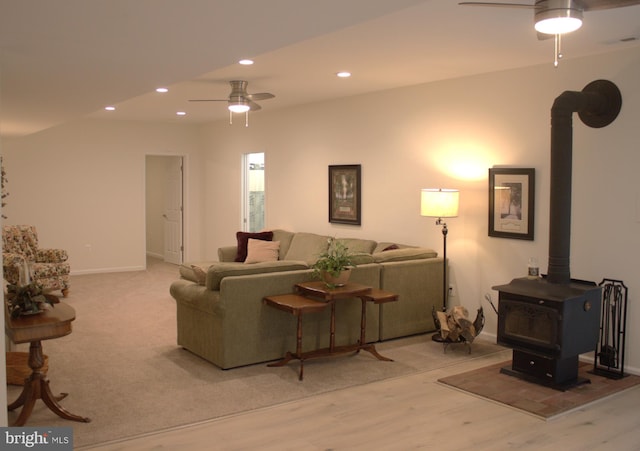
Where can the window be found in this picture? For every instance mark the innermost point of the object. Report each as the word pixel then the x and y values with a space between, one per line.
pixel 253 199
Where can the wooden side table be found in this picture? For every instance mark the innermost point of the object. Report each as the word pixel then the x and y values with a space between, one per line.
pixel 50 324
pixel 375 296
pixel 304 302
pixel 296 305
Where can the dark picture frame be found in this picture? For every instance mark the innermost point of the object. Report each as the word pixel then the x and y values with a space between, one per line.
pixel 512 203
pixel 345 193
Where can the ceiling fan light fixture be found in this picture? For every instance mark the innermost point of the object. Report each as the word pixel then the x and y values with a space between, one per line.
pixel 557 17
pixel 240 106
pixel 558 25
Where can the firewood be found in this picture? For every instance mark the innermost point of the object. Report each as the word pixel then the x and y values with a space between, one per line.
pixel 444 326
pixel 455 326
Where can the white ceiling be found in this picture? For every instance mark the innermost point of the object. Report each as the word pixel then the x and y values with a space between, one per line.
pixel 66 59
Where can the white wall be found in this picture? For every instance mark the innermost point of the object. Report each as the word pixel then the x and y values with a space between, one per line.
pixel 448 134
pixel 83 186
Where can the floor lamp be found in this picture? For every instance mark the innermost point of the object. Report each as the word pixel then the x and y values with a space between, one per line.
pixel 441 203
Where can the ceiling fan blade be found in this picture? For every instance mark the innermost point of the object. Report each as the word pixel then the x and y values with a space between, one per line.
pixel 254 106
pixel 506 5
pixel 260 96
pixel 594 5
pixel 208 100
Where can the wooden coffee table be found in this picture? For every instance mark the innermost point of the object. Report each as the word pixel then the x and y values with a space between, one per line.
pixel 50 324
pixel 315 297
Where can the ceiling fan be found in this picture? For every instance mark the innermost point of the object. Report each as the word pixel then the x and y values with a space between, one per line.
pixel 239 101
pixel 557 17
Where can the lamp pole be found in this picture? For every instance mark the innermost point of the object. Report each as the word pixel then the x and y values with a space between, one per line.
pixel 445 292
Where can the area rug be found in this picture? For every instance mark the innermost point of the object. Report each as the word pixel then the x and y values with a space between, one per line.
pixel 544 402
pixel 122 367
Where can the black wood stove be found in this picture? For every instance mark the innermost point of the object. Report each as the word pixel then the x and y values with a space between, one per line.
pixel 550 321
pixel 548 326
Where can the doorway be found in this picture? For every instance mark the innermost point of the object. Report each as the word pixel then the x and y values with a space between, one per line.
pixel 253 211
pixel 164 210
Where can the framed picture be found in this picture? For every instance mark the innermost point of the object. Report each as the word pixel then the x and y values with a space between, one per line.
pixel 511 202
pixel 345 194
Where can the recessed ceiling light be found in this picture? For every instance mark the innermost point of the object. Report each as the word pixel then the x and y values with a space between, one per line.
pixel 162 90
pixel 344 74
pixel 110 108
pixel 181 113
pixel 246 62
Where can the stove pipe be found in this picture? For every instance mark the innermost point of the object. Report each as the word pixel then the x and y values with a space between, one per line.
pixel 597 105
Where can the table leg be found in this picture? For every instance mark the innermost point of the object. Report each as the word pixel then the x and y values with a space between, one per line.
pixel 289 356
pixel 332 328
pixel 299 346
pixel 371 348
pixel 52 403
pixel 363 322
pixel 36 387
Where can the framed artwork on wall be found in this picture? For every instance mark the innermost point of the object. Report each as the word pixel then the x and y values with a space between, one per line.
pixel 345 194
pixel 511 202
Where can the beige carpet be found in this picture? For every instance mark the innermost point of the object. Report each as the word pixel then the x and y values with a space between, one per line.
pixel 122 368
pixel 538 400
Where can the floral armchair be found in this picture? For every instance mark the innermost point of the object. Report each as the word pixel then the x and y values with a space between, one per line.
pixel 47 267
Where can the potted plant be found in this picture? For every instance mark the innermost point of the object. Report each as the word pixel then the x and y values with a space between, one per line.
pixel 334 265
pixel 26 299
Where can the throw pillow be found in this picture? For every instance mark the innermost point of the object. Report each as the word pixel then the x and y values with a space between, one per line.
pixel 390 247
pixel 243 239
pixel 199 274
pixel 262 251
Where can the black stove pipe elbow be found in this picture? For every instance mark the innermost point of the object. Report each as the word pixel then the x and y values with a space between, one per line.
pixel 598 104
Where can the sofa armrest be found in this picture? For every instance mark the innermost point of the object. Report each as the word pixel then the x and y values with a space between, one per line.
pixel 418 284
pixel 404 254
pixel 227 253
pixel 51 256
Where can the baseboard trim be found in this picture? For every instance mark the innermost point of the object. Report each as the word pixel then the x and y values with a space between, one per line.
pixel 106 270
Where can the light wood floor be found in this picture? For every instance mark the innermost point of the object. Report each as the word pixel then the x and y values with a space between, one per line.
pixel 406 413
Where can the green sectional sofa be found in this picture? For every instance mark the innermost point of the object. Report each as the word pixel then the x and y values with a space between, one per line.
pixel 221 316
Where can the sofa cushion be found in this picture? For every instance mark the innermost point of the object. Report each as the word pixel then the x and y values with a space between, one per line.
pixel 357 245
pixel 262 251
pixel 307 247
pixel 243 239
pixel 409 253
pixel 219 270
pixel 361 258
pixel 285 238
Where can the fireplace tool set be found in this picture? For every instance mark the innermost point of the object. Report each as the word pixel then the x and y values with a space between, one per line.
pixel 609 358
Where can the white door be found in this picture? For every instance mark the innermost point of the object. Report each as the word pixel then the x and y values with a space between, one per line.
pixel 173 212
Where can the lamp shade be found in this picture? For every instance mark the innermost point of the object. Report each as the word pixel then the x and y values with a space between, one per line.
pixel 439 203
